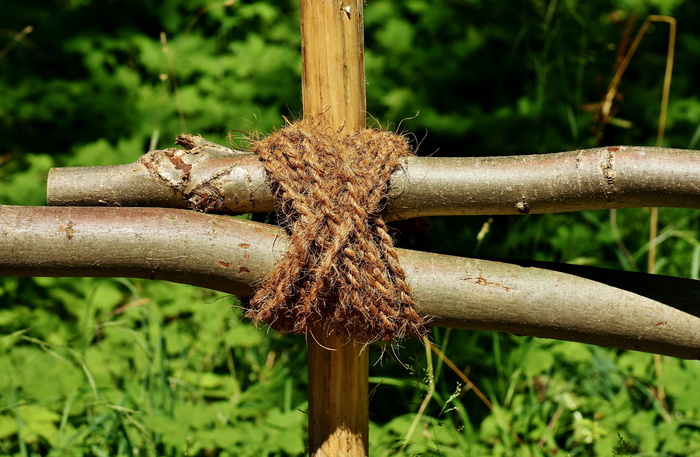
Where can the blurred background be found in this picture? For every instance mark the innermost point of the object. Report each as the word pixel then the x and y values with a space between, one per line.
pixel 128 367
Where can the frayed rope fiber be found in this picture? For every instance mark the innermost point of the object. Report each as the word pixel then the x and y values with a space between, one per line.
pixel 341 271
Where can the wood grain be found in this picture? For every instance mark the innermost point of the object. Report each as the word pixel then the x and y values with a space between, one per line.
pixel 333 85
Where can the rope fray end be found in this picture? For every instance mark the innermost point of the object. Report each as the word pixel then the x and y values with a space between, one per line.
pixel 341 271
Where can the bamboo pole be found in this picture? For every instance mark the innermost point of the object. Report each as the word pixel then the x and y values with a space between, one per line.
pixel 333 85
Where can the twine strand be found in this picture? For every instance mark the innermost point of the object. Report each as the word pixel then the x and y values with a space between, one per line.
pixel 341 270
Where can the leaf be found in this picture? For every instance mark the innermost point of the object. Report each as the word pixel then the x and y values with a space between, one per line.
pixel 199 415
pixel 679 379
pixel 428 431
pixel 38 421
pixel 286 431
pixel 27 187
pixel 397 35
pixel 245 336
pixel 45 376
pixel 537 361
pixel 231 437
pixel 571 352
pixel 8 426
pixel 176 433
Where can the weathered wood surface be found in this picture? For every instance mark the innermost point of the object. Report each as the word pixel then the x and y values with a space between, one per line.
pixel 651 313
pixel 333 86
pixel 600 178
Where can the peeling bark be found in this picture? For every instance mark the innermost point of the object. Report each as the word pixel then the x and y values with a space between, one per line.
pixel 212 178
pixel 604 307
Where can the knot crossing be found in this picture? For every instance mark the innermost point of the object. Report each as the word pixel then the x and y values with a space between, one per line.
pixel 341 272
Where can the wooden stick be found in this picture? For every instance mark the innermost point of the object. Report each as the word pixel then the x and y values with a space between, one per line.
pixel 333 85
pixel 338 396
pixel 333 69
pixel 651 313
pixel 600 178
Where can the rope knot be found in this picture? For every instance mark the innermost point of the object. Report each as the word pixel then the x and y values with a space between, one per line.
pixel 341 271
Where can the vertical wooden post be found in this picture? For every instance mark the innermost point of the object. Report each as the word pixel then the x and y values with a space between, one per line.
pixel 333 67
pixel 333 83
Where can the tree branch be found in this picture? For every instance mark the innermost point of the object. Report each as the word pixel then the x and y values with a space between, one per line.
pixel 212 178
pixel 604 307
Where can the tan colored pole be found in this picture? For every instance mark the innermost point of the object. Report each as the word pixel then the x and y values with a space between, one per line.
pixel 333 84
pixel 333 68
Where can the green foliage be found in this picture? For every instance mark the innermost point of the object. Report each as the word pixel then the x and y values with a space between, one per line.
pixel 123 367
pixel 555 397
pixel 91 366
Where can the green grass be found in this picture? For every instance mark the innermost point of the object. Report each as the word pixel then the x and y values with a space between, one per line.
pixel 125 367
pixel 113 373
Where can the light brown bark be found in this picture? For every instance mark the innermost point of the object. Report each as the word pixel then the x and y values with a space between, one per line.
pixel 333 86
pixel 601 178
pixel 637 311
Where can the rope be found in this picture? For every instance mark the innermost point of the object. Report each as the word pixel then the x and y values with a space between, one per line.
pixel 341 271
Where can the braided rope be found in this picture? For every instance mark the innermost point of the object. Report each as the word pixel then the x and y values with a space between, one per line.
pixel 341 270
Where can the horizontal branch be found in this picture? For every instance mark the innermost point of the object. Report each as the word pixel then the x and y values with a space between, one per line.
pixel 604 307
pixel 211 178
